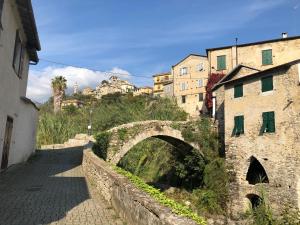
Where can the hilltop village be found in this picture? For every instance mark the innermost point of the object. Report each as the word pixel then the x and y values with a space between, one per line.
pixel 215 140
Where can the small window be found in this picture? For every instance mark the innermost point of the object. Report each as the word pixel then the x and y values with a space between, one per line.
pixel 238 125
pixel 183 99
pixel 200 97
pixel 18 51
pixel 267 84
pixel 268 122
pixel 200 67
pixel 200 83
pixel 238 91
pixel 183 71
pixel 267 57
pixel 221 62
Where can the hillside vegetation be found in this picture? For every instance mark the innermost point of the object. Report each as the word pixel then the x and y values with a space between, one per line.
pixel 110 111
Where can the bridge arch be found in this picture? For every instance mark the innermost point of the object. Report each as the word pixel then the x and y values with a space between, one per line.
pixel 136 132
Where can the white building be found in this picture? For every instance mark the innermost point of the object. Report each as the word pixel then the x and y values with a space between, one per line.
pixel 19 43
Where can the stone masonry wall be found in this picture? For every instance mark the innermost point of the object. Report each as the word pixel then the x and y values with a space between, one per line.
pixel 133 205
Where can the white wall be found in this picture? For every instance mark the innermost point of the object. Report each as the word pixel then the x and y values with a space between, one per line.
pixel 12 88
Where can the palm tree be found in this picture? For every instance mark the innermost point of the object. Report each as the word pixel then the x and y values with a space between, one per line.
pixel 59 85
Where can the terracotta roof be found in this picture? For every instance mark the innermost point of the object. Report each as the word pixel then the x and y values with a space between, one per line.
pixel 28 21
pixel 255 43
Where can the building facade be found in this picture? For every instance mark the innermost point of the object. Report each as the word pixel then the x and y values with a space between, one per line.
pixel 72 102
pixel 143 91
pixel 260 55
pixel 168 88
pixel 262 130
pixel 88 91
pixel 19 44
pixel 159 80
pixel 190 77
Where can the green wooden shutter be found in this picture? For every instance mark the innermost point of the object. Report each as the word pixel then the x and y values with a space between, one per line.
pixel 221 62
pixel 238 125
pixel 238 90
pixel 267 57
pixel 241 124
pixel 271 122
pixel 267 83
pixel 268 122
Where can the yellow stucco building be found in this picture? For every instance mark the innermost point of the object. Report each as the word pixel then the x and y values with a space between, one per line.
pixel 190 78
pixel 159 80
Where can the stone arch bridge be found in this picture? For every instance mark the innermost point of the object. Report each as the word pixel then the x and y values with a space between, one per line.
pixel 124 137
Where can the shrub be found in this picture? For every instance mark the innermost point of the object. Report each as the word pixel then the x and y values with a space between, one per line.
pixel 101 145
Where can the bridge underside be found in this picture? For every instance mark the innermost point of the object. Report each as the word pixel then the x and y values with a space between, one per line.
pixel 177 143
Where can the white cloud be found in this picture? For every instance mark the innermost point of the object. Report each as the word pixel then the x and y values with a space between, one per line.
pixel 39 83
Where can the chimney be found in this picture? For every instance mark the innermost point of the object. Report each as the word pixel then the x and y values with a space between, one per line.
pixel 284 35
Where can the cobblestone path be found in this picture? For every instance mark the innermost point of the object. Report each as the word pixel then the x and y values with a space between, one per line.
pixel 51 189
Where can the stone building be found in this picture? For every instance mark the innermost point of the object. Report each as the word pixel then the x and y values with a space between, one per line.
pixel 245 59
pixel 168 88
pixel 190 77
pixel 19 43
pixel 143 91
pixel 262 135
pixel 88 91
pixel 159 80
pixel 260 55
pixel 113 85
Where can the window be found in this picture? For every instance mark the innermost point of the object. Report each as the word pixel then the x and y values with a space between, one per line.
pixel 200 97
pixel 200 83
pixel 267 57
pixel 221 62
pixel 18 55
pixel 166 77
pixel 267 84
pixel 183 71
pixel 1 8
pixel 184 86
pixel 238 125
pixel 238 91
pixel 183 99
pixel 200 67
pixel 268 122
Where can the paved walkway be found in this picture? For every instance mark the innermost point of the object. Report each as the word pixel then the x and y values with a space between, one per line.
pixel 51 189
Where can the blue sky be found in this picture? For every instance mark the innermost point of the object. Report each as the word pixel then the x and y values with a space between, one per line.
pixel 142 37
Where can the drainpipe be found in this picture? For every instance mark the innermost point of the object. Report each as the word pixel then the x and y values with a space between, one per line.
pixel 214 107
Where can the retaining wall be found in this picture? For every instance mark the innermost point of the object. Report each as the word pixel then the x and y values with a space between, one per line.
pixel 133 206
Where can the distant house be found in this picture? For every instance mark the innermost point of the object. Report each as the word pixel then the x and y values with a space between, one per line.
pixel 88 91
pixel 19 43
pixel 159 79
pixel 113 85
pixel 168 88
pixel 72 102
pixel 143 91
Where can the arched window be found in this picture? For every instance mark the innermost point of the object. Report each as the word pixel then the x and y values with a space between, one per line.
pixel 256 172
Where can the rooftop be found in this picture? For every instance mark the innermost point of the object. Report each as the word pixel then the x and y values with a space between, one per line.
pixel 28 21
pixel 255 43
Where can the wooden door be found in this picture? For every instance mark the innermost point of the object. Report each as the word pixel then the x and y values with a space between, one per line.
pixel 6 144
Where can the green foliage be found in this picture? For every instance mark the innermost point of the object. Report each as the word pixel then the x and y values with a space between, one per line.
pixel 122 133
pixel 70 109
pixel 161 197
pixel 207 201
pixel 101 144
pixel 59 83
pixel 110 111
